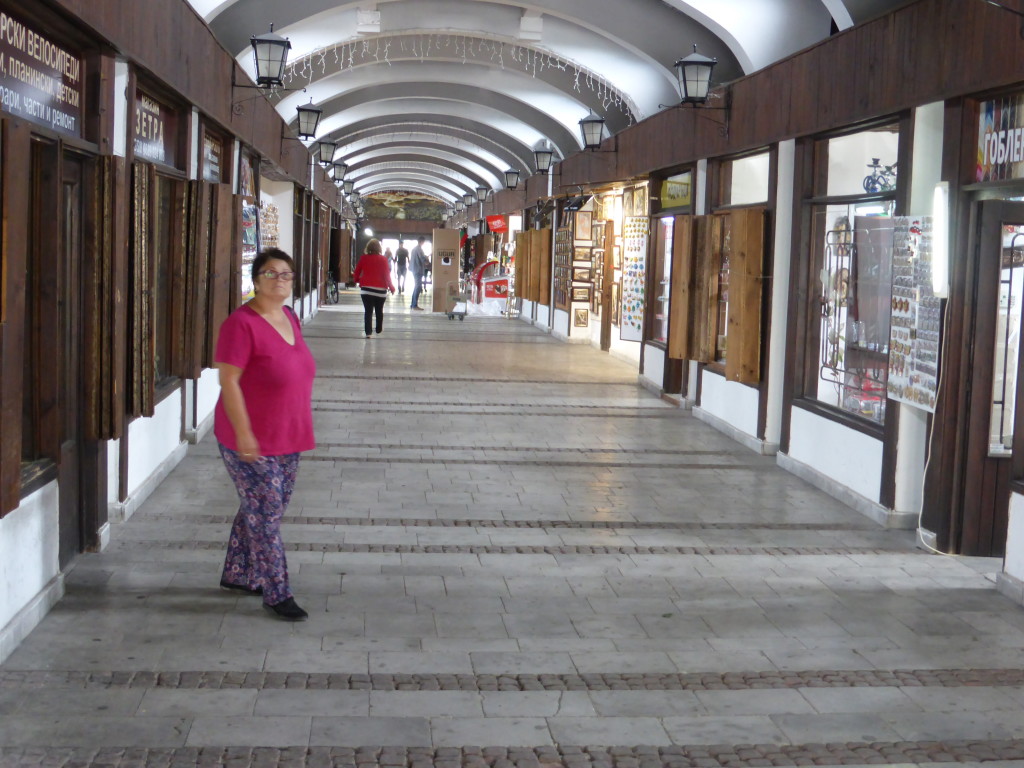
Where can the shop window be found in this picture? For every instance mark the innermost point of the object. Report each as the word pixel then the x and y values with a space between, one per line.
pixel 851 272
pixel 1007 348
pixel 661 276
pixel 744 181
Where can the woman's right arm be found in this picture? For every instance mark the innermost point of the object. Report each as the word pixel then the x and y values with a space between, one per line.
pixel 234 405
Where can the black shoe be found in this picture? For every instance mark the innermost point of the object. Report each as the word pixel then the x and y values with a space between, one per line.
pixel 240 588
pixel 287 610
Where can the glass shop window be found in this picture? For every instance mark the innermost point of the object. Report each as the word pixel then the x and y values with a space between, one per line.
pixel 851 277
pixel 744 181
pixel 1007 348
pixel 662 279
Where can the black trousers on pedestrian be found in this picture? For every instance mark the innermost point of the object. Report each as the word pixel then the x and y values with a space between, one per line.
pixel 373 305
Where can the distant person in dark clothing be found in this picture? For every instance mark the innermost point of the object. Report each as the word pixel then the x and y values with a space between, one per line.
pixel 401 266
pixel 420 265
pixel 374 277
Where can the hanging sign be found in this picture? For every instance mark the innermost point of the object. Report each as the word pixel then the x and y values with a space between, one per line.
pixel 497 224
pixel 156 130
pixel 39 80
pixel 1001 139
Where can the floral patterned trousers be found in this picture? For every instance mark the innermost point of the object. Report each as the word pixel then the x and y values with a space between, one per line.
pixel 255 556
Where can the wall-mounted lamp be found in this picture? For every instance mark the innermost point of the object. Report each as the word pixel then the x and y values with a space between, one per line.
pixel 348 186
pixel 270 52
pixel 459 206
pixel 468 199
pixel 542 156
pixel 309 119
pixel 694 75
pixel 592 130
pixel 325 152
pixel 940 240
pixel 511 178
pixel 481 193
pixel 340 169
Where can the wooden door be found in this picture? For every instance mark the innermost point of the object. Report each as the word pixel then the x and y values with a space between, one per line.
pixel 71 323
pixel 985 461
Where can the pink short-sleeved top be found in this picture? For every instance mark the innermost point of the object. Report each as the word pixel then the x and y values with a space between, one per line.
pixel 276 382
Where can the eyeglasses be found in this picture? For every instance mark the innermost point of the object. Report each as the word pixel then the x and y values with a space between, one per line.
pixel 272 275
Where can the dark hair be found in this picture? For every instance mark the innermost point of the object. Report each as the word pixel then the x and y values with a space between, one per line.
pixel 373 246
pixel 264 256
pixel 420 239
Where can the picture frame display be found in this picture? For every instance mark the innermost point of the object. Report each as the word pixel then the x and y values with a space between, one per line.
pixel 581 274
pixel 580 317
pixel 583 225
pixel 582 255
pixel 581 293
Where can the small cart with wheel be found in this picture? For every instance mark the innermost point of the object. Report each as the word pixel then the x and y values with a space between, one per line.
pixel 457 301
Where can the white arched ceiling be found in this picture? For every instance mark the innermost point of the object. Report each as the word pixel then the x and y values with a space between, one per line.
pixel 447 94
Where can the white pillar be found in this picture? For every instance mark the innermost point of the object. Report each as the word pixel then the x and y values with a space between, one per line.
pixel 783 250
pixel 912 439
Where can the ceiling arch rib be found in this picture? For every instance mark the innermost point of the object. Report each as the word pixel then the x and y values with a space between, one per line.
pixel 452 189
pixel 478 175
pixel 435 147
pixel 440 134
pixel 522 120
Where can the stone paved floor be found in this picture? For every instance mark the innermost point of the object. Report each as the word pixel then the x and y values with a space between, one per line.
pixel 515 557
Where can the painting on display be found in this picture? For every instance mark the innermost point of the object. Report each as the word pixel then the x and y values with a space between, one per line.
pixel 634 271
pixel 410 206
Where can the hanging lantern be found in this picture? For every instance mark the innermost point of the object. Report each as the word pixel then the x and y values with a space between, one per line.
pixel 325 152
pixel 348 185
pixel 511 178
pixel 270 52
pixel 694 75
pixel 309 119
pixel 468 199
pixel 542 156
pixel 592 130
pixel 340 169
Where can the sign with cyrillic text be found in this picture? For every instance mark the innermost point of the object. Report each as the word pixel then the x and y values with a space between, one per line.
pixel 156 130
pixel 1001 139
pixel 40 80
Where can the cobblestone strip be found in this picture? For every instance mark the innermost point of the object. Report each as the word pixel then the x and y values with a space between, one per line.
pixel 656 405
pixel 528 549
pixel 656 681
pixel 417 522
pixel 601 412
pixel 525 449
pixel 682 756
pixel 630 386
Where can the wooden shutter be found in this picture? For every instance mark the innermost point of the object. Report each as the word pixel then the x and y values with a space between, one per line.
pixel 707 239
pixel 238 201
pixel 141 367
pixel 681 305
pixel 222 235
pixel 103 333
pixel 195 280
pixel 746 283
pixel 541 250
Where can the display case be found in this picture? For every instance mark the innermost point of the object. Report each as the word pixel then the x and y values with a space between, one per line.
pixel 562 267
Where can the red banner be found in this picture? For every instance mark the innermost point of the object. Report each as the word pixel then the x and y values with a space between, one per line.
pixel 497 223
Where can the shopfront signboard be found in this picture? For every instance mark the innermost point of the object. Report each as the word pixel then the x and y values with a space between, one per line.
pixel 497 223
pixel 677 191
pixel 156 130
pixel 213 158
pixel 1001 139
pixel 40 80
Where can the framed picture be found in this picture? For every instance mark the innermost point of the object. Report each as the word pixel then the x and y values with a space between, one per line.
pixel 627 202
pixel 597 234
pixel 580 318
pixel 580 275
pixel 582 254
pixel 581 293
pixel 640 201
pixel 583 225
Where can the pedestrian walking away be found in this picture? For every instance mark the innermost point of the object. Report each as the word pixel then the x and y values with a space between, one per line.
pixel 263 421
pixel 418 264
pixel 401 266
pixel 373 275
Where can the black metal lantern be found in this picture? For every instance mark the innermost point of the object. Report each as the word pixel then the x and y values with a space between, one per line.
pixel 325 151
pixel 511 178
pixel 459 206
pixel 592 130
pixel 348 185
pixel 694 75
pixel 468 199
pixel 309 119
pixel 542 156
pixel 481 193
pixel 270 52
pixel 340 169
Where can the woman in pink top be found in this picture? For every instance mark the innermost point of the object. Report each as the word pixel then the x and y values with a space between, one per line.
pixel 373 273
pixel 263 420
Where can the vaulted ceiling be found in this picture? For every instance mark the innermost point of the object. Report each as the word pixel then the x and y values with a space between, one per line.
pixel 442 96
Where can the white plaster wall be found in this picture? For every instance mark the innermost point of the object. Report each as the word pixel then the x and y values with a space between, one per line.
pixel 783 230
pixel 736 404
pixel 625 350
pixel 526 313
pixel 654 366
pixel 152 440
pixel 561 322
pixel 207 390
pixel 848 457
pixel 113 469
pixel 28 551
pixel 543 316
pixel 1013 562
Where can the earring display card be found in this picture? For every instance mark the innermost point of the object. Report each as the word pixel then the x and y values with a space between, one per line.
pixel 916 321
pixel 634 274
